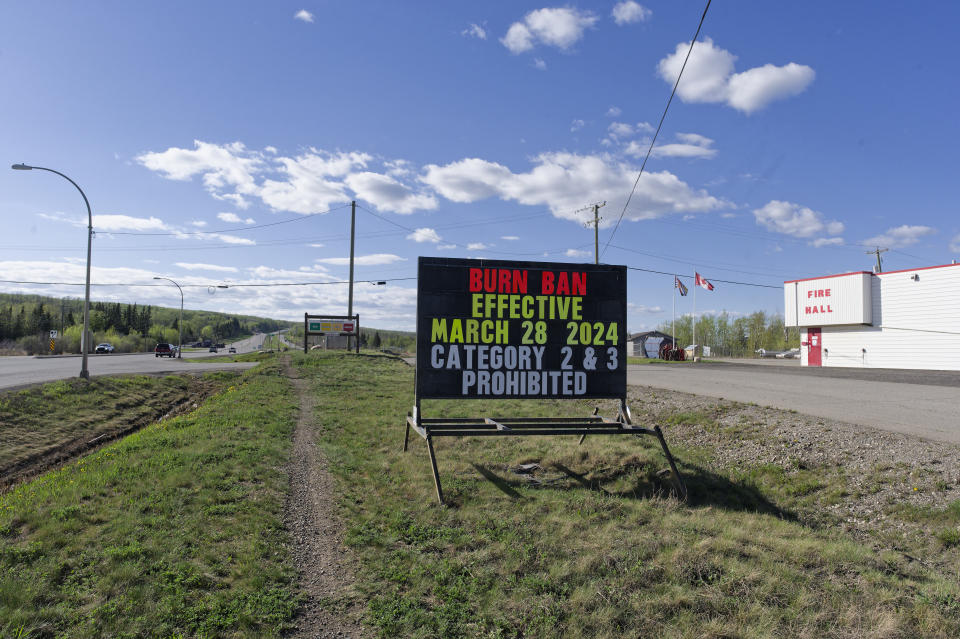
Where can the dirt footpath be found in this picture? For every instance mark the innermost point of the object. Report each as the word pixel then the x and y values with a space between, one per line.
pixel 323 567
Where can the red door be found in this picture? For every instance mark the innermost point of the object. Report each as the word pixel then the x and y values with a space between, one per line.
pixel 813 347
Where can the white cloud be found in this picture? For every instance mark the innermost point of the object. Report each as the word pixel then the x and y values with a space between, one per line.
pixel 955 244
pixel 824 241
pixel 475 31
pixel 576 125
pixel 510 238
pixel 709 77
pixel 231 239
pixel 560 27
pixel 376 259
pixel 518 38
pixel 196 266
pixel 108 223
pixel 316 245
pixel 577 253
pixel 303 15
pixel 613 112
pixel 798 221
pixel 900 236
pixel 386 193
pixel 222 166
pixel 198 223
pixel 691 145
pixel 564 181
pixel 620 130
pixel 424 235
pixel 312 182
pixel 539 64
pixel 233 218
pixel 643 308
pixel 630 12
pixel 477 246
pixel 446 247
pixel 127 223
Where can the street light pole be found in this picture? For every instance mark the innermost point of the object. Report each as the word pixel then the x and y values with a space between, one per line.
pixel 180 323
pixel 84 372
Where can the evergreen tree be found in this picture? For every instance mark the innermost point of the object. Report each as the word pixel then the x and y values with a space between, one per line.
pixel 376 340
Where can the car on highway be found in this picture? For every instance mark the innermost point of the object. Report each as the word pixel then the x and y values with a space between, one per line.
pixel 164 350
pixel 104 348
pixel 213 349
pixel 232 350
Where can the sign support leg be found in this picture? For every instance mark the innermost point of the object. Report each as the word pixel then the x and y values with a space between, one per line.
pixel 436 473
pixel 679 486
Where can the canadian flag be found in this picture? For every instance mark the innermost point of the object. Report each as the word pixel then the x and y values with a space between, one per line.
pixel 704 283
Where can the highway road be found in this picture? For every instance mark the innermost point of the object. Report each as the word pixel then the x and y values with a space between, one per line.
pixel 24 371
pixel 921 403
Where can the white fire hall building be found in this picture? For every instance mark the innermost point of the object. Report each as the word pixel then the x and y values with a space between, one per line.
pixel 897 319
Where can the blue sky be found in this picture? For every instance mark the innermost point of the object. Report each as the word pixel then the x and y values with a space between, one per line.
pixel 801 135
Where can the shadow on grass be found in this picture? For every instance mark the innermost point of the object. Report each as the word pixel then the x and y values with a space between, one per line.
pixel 498 481
pixel 704 487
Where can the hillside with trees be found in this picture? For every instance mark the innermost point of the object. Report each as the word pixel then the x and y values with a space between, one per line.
pixel 26 322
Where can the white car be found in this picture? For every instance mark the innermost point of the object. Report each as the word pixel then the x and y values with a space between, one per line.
pixel 104 348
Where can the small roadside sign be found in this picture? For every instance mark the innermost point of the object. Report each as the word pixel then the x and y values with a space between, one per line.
pixel 53 334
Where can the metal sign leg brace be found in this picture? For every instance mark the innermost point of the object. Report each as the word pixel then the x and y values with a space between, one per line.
pixel 428 428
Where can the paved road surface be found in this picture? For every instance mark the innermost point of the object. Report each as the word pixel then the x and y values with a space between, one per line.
pixel 921 403
pixel 23 371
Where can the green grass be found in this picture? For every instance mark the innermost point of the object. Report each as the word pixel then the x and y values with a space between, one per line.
pixel 173 531
pixel 40 419
pixel 591 546
pixel 255 356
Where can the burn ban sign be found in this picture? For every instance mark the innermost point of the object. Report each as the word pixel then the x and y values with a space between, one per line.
pixel 501 329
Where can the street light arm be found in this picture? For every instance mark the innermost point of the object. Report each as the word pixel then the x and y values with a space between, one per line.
pixel 84 195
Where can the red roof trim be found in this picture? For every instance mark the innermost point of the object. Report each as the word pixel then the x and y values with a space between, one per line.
pixel 922 268
pixel 823 277
pixel 903 270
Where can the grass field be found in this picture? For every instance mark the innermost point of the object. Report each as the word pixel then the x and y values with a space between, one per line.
pixel 591 546
pixel 175 531
pixel 63 417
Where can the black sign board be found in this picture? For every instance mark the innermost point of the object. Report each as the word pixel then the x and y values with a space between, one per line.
pixel 502 329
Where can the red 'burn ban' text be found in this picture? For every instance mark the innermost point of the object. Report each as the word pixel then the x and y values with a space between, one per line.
pixel 514 281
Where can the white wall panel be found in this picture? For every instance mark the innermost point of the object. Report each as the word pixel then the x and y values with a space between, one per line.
pixel 829 301
pixel 916 324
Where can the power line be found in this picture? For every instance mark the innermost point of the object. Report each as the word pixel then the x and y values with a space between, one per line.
pixel 688 263
pixel 244 228
pixel 662 118
pixel 393 279
pixel 712 279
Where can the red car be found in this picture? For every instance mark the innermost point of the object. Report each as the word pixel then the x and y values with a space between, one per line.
pixel 164 350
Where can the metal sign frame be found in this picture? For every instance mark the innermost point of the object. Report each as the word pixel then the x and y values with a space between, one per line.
pixel 307 332
pixel 441 300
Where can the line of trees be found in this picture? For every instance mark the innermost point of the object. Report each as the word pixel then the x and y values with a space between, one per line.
pixel 26 320
pixel 735 337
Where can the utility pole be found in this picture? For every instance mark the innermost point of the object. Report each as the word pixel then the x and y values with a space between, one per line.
pixel 596 227
pixel 877 252
pixel 353 220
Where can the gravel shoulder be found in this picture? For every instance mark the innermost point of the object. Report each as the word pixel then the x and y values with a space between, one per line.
pixel 325 576
pixel 870 481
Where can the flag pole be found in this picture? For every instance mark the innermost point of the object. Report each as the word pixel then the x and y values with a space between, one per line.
pixel 673 322
pixel 695 285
